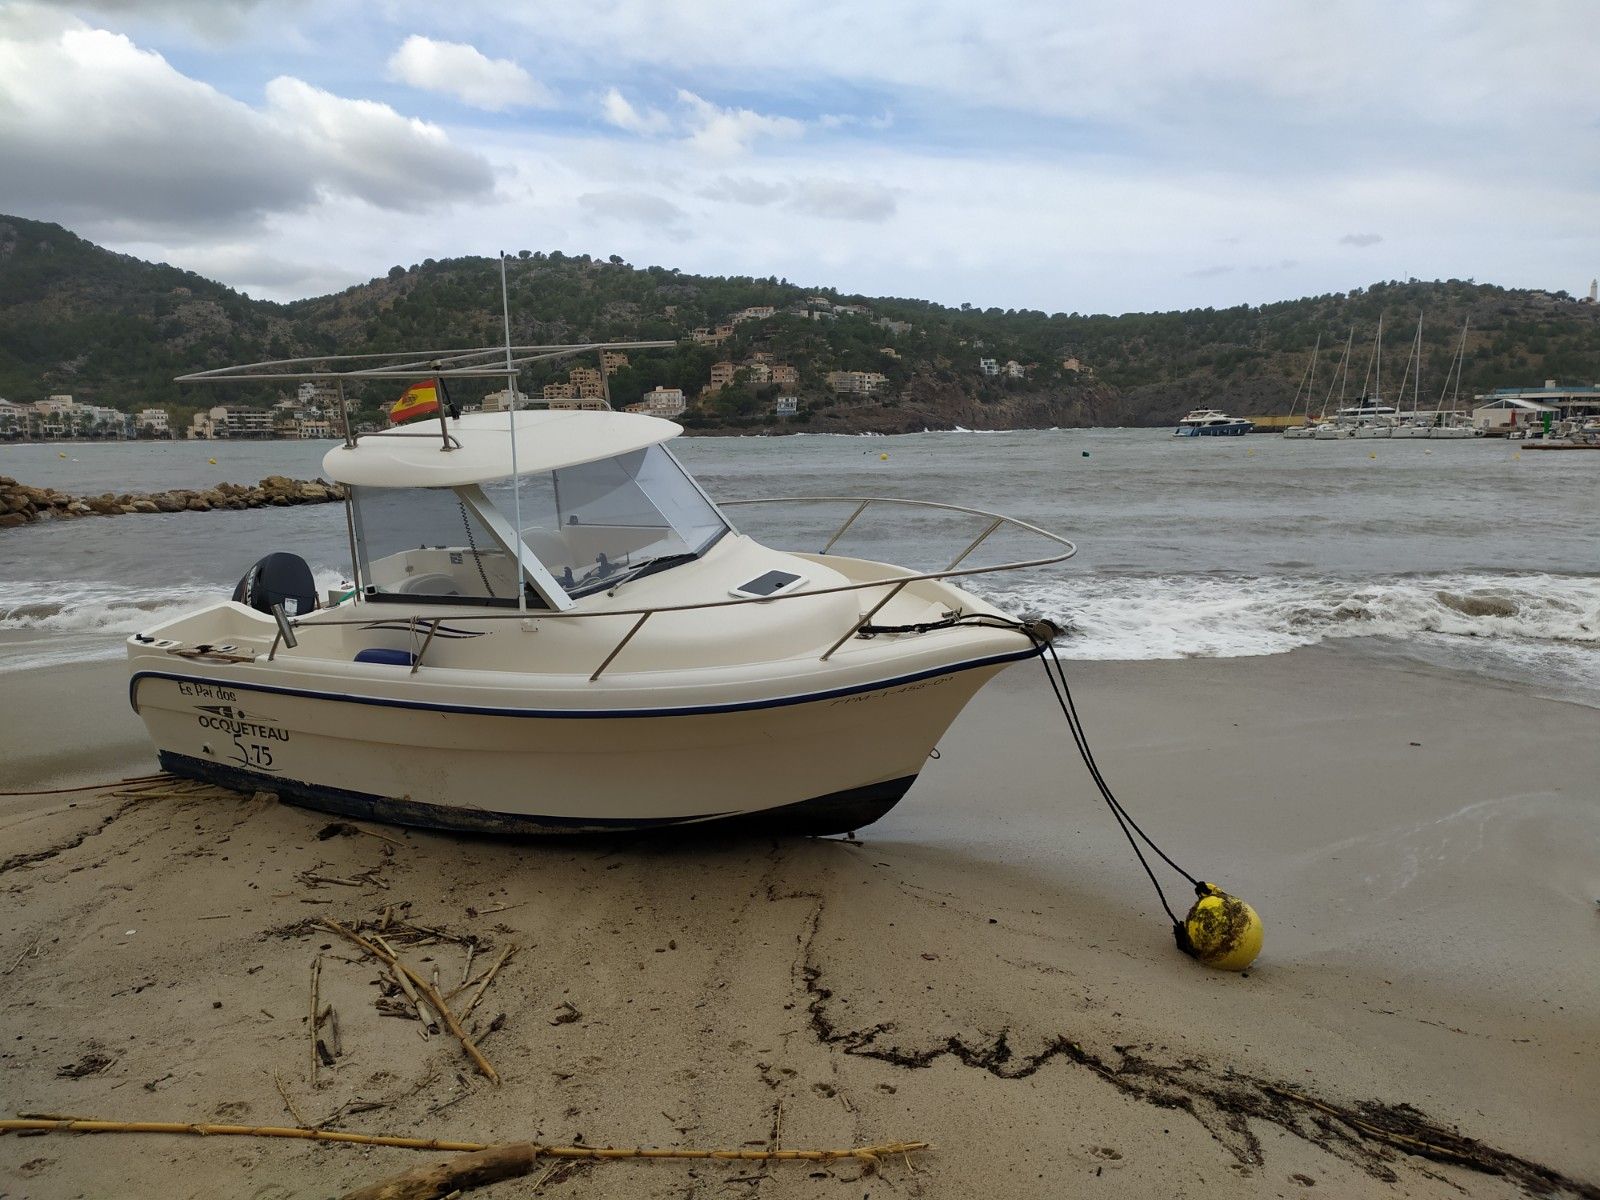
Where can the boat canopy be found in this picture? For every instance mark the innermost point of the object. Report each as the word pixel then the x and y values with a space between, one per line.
pixel 547 440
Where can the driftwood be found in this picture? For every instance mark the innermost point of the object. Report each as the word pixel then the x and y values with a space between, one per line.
pixel 435 1000
pixel 461 1174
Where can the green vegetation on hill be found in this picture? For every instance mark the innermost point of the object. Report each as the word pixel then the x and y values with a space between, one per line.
pixel 114 330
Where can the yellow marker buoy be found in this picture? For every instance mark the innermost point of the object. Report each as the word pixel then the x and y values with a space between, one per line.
pixel 883 458
pixel 1517 456
pixel 1220 931
pixel 1372 454
pixel 212 461
pixel 61 453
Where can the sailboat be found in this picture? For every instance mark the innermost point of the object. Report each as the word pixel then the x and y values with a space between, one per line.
pixel 1372 417
pixel 1307 380
pixel 1330 430
pixel 1455 424
pixel 1416 425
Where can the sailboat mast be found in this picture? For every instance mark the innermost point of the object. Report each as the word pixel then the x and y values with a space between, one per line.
pixel 1343 374
pixel 1377 355
pixel 1311 374
pixel 1416 389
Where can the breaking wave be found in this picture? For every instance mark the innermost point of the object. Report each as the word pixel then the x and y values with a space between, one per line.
pixel 1183 616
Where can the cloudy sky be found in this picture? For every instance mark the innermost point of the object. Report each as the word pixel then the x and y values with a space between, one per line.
pixel 1101 156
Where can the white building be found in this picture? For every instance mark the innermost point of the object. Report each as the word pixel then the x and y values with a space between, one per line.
pixel 988 366
pixel 1015 370
pixel 225 422
pixel 865 383
pixel 787 406
pixel 660 402
pixel 155 419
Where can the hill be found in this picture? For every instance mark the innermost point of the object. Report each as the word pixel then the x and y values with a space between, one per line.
pixel 115 330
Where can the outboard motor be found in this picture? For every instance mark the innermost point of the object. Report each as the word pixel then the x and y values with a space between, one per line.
pixel 279 578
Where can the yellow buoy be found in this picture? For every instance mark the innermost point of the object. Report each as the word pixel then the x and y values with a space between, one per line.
pixel 1372 454
pixel 1517 456
pixel 1220 931
pixel 883 458
pixel 212 461
pixel 61 453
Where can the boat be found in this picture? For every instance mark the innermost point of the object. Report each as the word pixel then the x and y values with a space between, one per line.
pixel 1370 417
pixel 1454 424
pixel 1208 422
pixel 1328 429
pixel 1415 424
pixel 1307 381
pixel 551 627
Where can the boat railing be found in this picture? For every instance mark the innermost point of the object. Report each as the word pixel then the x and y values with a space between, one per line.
pixel 424 625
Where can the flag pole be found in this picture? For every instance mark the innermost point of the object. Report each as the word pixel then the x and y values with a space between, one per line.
pixel 511 404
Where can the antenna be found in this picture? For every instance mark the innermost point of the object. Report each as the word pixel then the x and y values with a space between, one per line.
pixel 511 404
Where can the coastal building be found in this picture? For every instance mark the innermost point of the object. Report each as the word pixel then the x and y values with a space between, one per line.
pixel 1505 409
pixel 660 402
pixel 615 360
pixel 722 374
pixel 785 375
pixel 989 366
pixel 560 391
pixel 585 404
pixel 757 313
pixel 1015 370
pixel 586 380
pixel 786 406
pixel 853 310
pixel 862 383
pixel 1076 365
pixel 888 352
pixel 759 372
pixel 231 422
pixel 314 427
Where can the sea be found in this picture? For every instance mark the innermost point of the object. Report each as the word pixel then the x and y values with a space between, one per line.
pixel 1472 556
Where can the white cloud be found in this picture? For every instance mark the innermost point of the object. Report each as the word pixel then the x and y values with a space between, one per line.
pixel 703 126
pixel 459 70
pixel 1361 239
pixel 93 128
pixel 619 112
pixel 366 149
pixel 729 132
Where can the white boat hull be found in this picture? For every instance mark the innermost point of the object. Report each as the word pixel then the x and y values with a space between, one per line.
pixel 816 766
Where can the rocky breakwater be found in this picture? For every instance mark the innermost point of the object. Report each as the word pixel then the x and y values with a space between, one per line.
pixel 20 503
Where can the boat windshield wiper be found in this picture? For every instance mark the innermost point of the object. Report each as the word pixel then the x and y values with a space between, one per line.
pixel 606 576
pixel 648 566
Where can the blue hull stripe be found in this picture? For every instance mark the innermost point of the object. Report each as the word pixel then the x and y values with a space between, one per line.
pixel 577 714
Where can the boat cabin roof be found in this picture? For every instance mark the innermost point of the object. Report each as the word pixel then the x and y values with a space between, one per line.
pixel 415 455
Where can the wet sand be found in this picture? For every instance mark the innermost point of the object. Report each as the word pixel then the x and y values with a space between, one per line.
pixel 987 970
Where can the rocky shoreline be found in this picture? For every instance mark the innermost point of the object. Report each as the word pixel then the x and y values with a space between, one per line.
pixel 21 504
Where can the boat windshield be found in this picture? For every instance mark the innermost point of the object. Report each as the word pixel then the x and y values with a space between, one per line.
pixel 592 526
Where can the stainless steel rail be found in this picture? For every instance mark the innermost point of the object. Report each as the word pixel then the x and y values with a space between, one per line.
pixel 895 583
pixel 484 362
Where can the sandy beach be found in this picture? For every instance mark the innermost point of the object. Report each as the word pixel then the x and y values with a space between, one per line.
pixel 987 969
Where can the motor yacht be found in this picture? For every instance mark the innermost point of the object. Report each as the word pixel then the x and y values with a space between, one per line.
pixel 549 626
pixel 1208 422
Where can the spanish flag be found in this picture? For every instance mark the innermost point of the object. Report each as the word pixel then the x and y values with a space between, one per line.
pixel 419 400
